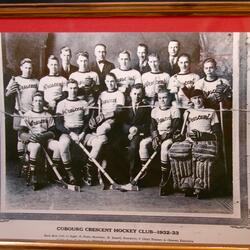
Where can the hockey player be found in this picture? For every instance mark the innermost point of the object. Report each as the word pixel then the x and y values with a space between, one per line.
pixel 109 103
pixel 126 77
pixel 88 81
pixel 182 83
pixel 23 87
pixel 72 121
pixel 66 67
pixel 101 65
pixel 165 123
pixel 218 93
pixel 136 126
pixel 216 89
pixel 155 79
pixel 142 54
pixel 203 131
pixel 53 85
pixel 37 130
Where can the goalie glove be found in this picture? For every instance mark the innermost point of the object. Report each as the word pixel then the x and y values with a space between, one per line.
pixel 178 137
pixel 156 142
pixel 218 96
pixel 222 91
pixel 99 119
pixel 25 137
pixel 92 123
pixel 196 135
pixel 44 137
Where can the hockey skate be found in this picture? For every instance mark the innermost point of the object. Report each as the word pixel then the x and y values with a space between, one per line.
pixel 70 177
pixel 198 188
pixel 165 186
pixel 87 175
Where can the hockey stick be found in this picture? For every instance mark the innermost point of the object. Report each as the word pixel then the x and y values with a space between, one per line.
pixel 114 185
pixel 54 168
pixel 223 134
pixel 132 186
pixel 223 138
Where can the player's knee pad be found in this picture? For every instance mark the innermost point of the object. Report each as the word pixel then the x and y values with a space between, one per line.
pixel 54 146
pixel 103 129
pixel 20 146
pixel 164 149
pixel 34 149
pixel 64 141
pixel 144 148
pixel 99 140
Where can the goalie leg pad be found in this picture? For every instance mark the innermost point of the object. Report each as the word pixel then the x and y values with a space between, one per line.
pixel 182 174
pixel 204 177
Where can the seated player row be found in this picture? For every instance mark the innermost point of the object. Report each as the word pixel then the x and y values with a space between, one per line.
pixel 144 131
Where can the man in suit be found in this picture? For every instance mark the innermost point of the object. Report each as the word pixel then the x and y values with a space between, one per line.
pixel 142 54
pixel 66 67
pixel 173 51
pixel 101 66
pixel 136 127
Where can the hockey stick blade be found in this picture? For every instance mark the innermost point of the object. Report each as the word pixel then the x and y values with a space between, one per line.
pixel 129 187
pixel 69 186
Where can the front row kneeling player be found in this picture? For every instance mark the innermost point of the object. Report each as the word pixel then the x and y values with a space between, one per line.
pixel 193 160
pixel 165 122
pixel 72 122
pixel 37 131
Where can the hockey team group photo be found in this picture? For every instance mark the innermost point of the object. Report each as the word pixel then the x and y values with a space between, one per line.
pixel 118 121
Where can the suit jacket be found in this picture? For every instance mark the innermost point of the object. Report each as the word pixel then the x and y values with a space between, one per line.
pixel 144 69
pixel 171 70
pixel 108 66
pixel 65 74
pixel 140 119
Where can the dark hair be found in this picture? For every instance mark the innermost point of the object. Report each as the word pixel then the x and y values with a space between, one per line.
pixel 164 90
pixel 72 81
pixel 154 55
pixel 83 53
pixel 138 86
pixel 37 93
pixel 174 40
pixel 125 52
pixel 196 92
pixel 167 91
pixel 184 55
pixel 101 44
pixel 25 60
pixel 143 45
pixel 209 59
pixel 52 57
pixel 112 75
pixel 65 48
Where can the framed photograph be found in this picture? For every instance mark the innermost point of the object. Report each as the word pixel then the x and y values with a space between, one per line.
pixel 124 125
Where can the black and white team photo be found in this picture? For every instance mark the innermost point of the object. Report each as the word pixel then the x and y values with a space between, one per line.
pixel 138 122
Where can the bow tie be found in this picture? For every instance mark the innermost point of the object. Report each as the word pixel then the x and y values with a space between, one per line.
pixel 101 61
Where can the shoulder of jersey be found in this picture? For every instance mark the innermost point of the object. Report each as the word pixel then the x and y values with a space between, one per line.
pixel 155 110
pixel 146 74
pixel 174 76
